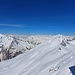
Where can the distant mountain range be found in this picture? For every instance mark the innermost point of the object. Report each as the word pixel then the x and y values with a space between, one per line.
pixel 37 54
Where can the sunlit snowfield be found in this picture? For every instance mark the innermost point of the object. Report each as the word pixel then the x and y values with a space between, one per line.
pixel 37 55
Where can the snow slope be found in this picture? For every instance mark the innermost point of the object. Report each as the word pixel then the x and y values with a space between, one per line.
pixel 5 40
pixel 53 57
pixel 13 45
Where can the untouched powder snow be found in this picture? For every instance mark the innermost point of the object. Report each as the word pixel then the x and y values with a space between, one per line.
pixel 52 57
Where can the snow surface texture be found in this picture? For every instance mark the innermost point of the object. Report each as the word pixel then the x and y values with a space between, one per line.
pixel 55 56
pixel 13 45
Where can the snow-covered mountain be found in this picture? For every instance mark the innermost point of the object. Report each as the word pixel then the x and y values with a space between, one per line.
pixel 54 56
pixel 13 45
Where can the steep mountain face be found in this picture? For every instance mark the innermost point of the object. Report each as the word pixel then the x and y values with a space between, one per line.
pixel 54 56
pixel 13 45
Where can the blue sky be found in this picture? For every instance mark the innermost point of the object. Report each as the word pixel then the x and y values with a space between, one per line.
pixel 37 17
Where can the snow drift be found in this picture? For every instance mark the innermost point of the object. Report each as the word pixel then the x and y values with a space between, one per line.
pixel 52 57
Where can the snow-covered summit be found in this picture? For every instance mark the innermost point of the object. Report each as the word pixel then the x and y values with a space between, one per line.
pixel 51 57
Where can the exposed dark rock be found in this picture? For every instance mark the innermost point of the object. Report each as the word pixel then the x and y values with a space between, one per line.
pixel 73 38
pixel 59 48
pixel 17 53
pixel 63 43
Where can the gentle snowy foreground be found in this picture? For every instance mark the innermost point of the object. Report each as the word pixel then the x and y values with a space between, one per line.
pixel 54 55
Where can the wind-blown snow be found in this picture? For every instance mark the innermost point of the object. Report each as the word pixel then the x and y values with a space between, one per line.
pixel 13 45
pixel 52 57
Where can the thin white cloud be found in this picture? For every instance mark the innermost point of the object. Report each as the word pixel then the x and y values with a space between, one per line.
pixel 12 25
